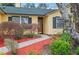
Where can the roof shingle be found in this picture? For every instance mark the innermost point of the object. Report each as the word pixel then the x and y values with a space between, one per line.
pixel 28 11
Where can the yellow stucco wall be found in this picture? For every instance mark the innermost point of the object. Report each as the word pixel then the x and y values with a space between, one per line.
pixel 48 23
pixel 3 18
pixel 35 19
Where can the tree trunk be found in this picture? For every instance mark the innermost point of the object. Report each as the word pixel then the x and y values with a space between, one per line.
pixel 65 16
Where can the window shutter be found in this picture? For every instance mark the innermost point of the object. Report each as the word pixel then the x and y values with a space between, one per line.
pixel 9 18
pixel 29 20
pixel 54 22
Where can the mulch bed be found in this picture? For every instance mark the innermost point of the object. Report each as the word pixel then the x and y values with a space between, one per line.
pixel 55 36
pixel 36 48
pixel 1 42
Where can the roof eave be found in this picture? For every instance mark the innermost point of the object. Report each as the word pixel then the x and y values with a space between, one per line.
pixel 27 14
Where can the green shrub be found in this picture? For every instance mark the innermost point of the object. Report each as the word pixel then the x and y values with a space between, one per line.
pixel 77 51
pixel 1 53
pixel 18 36
pixel 66 37
pixel 60 47
pixel 30 35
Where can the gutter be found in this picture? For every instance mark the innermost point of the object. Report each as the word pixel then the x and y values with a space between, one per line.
pixel 51 11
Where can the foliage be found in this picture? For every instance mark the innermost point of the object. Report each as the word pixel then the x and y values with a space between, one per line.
pixel 1 53
pixel 30 35
pixel 66 37
pixel 42 6
pixel 26 26
pixel 77 51
pixel 18 36
pixel 16 29
pixel 12 45
pixel 32 27
pixel 35 28
pixel 31 53
pixel 8 4
pixel 10 28
pixel 30 5
pixel 60 47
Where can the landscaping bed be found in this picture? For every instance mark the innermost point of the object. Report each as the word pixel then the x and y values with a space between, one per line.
pixel 1 42
pixel 35 48
pixel 26 47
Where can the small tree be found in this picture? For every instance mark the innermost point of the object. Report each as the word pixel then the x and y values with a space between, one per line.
pixel 7 31
pixel 66 16
pixel 10 28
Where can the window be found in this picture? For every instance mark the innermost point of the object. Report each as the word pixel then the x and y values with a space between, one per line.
pixel 57 22
pixel 27 20
pixel 30 20
pixel 20 19
pixel 16 19
pixel 24 19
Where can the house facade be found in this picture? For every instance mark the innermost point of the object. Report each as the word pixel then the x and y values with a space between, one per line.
pixel 49 20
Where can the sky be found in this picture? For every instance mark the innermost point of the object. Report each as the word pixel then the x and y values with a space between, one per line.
pixel 51 5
